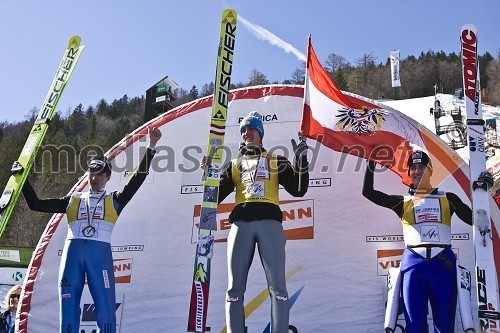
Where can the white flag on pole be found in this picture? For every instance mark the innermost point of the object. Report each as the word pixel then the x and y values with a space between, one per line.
pixel 396 82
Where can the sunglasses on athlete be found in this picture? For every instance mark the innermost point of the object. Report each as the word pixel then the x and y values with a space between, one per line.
pixel 98 165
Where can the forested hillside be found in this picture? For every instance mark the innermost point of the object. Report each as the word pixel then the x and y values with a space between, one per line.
pixel 76 134
pixel 371 78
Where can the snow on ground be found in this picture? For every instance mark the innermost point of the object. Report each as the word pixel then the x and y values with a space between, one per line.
pixel 418 109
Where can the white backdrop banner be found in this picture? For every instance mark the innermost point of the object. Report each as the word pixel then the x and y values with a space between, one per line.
pixel 340 245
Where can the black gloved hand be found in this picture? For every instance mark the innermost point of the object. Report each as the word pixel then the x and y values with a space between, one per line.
pixel 300 149
pixel 16 168
pixel 486 177
pixel 389 330
pixel 371 165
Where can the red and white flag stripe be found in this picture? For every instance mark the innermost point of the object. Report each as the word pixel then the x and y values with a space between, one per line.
pixel 360 127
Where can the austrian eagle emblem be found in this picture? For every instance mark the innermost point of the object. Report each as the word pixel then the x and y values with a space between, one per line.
pixel 362 122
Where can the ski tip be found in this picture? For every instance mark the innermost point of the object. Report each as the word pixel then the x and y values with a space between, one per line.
pixel 471 27
pixel 230 14
pixel 74 41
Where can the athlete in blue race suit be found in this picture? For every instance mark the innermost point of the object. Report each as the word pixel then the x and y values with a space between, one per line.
pixel 428 264
pixel 87 250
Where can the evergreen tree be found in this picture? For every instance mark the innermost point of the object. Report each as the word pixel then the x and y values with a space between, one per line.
pixel 90 111
pixel 493 71
pixel 102 107
pixel 77 122
pixel 193 93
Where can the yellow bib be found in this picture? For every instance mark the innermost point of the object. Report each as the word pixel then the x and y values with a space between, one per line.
pixel 102 220
pixel 426 219
pixel 77 202
pixel 256 179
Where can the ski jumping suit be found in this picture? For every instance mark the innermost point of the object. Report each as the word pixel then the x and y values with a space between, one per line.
pixel 87 251
pixel 428 264
pixel 256 219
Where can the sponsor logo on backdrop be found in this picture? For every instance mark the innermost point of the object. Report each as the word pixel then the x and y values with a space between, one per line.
pixel 191 189
pixel 88 311
pixel 384 238
pixel 400 238
pixel 17 276
pixel 123 270
pixel 264 117
pixel 462 236
pixel 88 317
pixel 387 259
pixel 314 182
pixel 298 220
pixel 320 182
pixel 127 248
pixel 10 255
pixel 392 258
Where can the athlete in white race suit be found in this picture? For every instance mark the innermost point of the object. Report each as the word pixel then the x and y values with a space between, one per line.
pixel 87 251
pixel 428 265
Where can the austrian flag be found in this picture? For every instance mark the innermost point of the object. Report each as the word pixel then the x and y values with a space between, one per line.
pixel 361 127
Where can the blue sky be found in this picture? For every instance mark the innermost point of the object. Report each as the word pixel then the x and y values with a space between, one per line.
pixel 130 45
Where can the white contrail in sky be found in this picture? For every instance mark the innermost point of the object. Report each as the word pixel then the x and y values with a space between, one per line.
pixel 268 36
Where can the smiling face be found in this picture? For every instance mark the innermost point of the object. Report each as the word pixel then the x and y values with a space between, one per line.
pixel 98 180
pixel 420 175
pixel 12 298
pixel 251 137
pixel 14 301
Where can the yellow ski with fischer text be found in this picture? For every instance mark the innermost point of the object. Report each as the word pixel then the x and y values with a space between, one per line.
pixel 18 176
pixel 197 321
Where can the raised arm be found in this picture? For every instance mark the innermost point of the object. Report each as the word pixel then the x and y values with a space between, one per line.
pixel 57 205
pixel 393 202
pixel 124 196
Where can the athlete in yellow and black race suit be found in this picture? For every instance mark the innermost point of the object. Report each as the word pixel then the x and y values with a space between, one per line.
pixel 256 219
pixel 87 251
pixel 428 265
